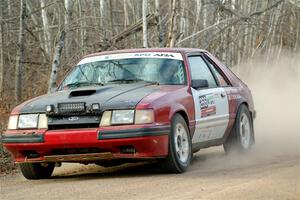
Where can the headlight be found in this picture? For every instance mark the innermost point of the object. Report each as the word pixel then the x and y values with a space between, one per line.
pixel 28 121
pixel 127 117
pixel 12 122
pixel 43 121
pixel 105 119
pixel 144 116
pixel 122 117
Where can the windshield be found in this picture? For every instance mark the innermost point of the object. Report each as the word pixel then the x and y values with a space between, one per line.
pixel 162 71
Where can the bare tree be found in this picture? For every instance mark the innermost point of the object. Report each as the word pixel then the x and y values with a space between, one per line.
pixel 112 30
pixel 172 25
pixel 199 7
pixel 1 50
pixel 159 23
pixel 68 15
pixel 234 30
pixel 103 10
pixel 145 37
pixel 60 45
pixel 126 15
pixel 56 61
pixel 83 33
pixel 46 30
pixel 20 55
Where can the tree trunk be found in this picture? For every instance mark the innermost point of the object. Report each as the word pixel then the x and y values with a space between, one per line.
pixel 198 12
pixel 1 51
pixel 20 55
pixel 103 9
pixel 145 39
pixel 60 45
pixel 182 18
pixel 172 25
pixel 46 30
pixel 82 26
pixel 126 16
pixel 159 24
pixel 204 15
pixel 56 61
pixel 68 15
pixel 111 18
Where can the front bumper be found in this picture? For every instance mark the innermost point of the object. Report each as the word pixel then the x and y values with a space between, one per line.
pixel 22 138
pixel 147 142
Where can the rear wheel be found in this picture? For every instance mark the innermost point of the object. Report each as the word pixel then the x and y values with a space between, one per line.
pixel 37 170
pixel 180 151
pixel 242 136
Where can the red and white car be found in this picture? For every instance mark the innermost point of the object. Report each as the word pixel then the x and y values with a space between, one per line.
pixel 131 105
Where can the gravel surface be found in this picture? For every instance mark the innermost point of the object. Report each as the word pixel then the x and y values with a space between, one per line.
pixel 213 175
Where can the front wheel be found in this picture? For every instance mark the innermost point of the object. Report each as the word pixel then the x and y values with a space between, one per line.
pixel 37 170
pixel 180 151
pixel 241 137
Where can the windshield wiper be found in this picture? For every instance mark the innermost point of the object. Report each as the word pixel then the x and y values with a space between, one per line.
pixel 126 80
pixel 134 80
pixel 152 82
pixel 86 83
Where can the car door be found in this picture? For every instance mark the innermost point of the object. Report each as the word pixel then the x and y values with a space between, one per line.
pixel 211 104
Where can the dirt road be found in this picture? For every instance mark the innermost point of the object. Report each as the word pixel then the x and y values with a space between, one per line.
pixel 213 175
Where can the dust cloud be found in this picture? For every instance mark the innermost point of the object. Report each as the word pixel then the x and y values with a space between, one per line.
pixel 276 92
pixel 275 88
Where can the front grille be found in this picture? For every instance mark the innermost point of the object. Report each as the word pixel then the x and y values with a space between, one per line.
pixel 72 126
pixel 73 122
pixel 74 107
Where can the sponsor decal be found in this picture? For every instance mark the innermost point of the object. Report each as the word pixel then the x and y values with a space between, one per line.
pixel 141 54
pixel 167 55
pixel 210 100
pixel 205 112
pixel 207 104
pixel 164 55
pixel 203 102
pixel 234 96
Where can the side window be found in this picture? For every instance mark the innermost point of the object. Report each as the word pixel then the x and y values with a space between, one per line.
pixel 221 79
pixel 199 70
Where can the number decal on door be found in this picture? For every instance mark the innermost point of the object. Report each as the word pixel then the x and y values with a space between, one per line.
pixel 203 102
pixel 207 105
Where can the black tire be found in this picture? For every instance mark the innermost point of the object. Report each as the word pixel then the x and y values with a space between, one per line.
pixel 172 163
pixel 37 170
pixel 236 140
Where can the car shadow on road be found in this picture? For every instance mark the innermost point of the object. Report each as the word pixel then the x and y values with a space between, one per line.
pixel 142 169
pixel 206 163
pixel 94 171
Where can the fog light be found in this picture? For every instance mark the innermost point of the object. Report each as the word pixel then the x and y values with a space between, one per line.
pixel 95 106
pixel 49 108
pixel 31 154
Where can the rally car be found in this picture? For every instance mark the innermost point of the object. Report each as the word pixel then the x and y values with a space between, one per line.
pixel 130 105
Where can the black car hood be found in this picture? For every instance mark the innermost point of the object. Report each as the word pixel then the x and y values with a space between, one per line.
pixel 113 96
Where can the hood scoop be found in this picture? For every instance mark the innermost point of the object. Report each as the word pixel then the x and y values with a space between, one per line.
pixel 79 93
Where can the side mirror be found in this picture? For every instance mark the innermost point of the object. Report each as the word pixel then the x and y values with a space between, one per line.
pixel 199 83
